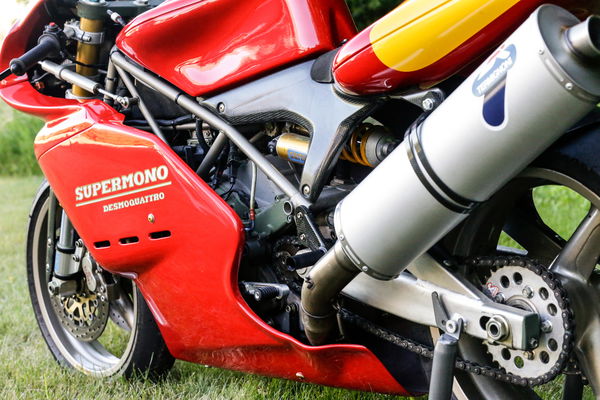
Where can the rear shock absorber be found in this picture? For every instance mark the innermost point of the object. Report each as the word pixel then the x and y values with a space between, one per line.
pixel 368 145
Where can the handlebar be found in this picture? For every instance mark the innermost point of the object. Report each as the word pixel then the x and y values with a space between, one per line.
pixel 49 44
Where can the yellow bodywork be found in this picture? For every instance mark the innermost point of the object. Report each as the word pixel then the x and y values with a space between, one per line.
pixel 420 32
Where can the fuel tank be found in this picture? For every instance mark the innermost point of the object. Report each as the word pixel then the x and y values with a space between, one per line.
pixel 204 46
pixel 422 42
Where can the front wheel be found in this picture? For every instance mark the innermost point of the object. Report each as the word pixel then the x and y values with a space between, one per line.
pixel 105 327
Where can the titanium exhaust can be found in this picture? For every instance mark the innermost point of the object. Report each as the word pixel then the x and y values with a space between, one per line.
pixel 536 85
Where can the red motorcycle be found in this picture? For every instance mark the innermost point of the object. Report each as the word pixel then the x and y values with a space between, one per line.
pixel 256 186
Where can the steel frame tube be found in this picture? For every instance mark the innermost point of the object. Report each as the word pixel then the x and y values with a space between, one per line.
pixel 211 156
pixel 141 104
pixel 190 104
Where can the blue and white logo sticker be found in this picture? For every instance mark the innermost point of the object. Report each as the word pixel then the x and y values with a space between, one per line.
pixel 491 83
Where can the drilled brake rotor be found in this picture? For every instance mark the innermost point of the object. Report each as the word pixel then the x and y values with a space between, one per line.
pixel 85 314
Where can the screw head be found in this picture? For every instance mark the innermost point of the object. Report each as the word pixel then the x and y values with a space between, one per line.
pixel 364 269
pixel 499 298
pixel 569 86
pixel 546 326
pixel 427 104
pixel 302 237
pixel 49 242
pixel 306 190
pixel 528 355
pixel 533 342
pixel 527 292
pixel 451 326
pixel 151 218
pixel 299 375
pixel 221 107
pixel 541 51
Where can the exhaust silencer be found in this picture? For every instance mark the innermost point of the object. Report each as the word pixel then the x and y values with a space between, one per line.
pixel 536 85
pixel 540 82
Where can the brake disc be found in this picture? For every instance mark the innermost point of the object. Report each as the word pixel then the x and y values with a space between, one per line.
pixel 522 288
pixel 85 314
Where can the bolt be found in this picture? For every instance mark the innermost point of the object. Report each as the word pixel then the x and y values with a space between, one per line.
pixel 499 298
pixel 447 263
pixel 47 267
pixel 302 237
pixel 299 215
pixel 79 243
pixel 53 288
pixel 221 107
pixel 300 375
pixel 528 355
pixel 527 292
pixel 541 51
pixel 365 268
pixel 427 104
pixel 342 237
pixel 451 326
pixel 123 101
pixel 49 242
pixel 533 343
pixel 76 258
pixel 569 86
pixel 151 218
pixel 546 326
pixel 306 190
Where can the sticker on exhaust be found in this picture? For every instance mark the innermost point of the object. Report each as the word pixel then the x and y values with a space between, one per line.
pixel 491 84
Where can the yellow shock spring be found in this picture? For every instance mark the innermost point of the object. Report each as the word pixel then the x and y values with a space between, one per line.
pixel 355 149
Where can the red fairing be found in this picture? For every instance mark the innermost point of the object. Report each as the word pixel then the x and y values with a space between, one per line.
pixel 204 46
pixel 189 278
pixel 358 70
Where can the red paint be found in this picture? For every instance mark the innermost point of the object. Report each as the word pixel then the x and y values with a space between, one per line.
pixel 207 46
pixel 358 70
pixel 190 278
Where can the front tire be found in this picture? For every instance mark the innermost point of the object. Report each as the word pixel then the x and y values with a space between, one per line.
pixel 130 343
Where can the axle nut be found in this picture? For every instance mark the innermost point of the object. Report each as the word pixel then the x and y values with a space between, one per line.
pixel 497 328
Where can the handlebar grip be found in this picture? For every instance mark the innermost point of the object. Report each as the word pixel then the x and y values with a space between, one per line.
pixel 47 46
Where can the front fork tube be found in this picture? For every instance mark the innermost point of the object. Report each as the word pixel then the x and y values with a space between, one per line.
pixel 61 267
pixel 51 235
pixel 64 267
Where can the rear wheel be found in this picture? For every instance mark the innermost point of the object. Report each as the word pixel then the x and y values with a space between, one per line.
pixel 562 235
pixel 105 328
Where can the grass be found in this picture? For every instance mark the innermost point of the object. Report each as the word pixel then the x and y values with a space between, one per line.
pixel 17 131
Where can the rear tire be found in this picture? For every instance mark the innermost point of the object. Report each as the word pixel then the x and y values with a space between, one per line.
pixel 142 350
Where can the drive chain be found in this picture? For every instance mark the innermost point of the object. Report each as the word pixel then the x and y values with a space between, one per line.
pixel 472 367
